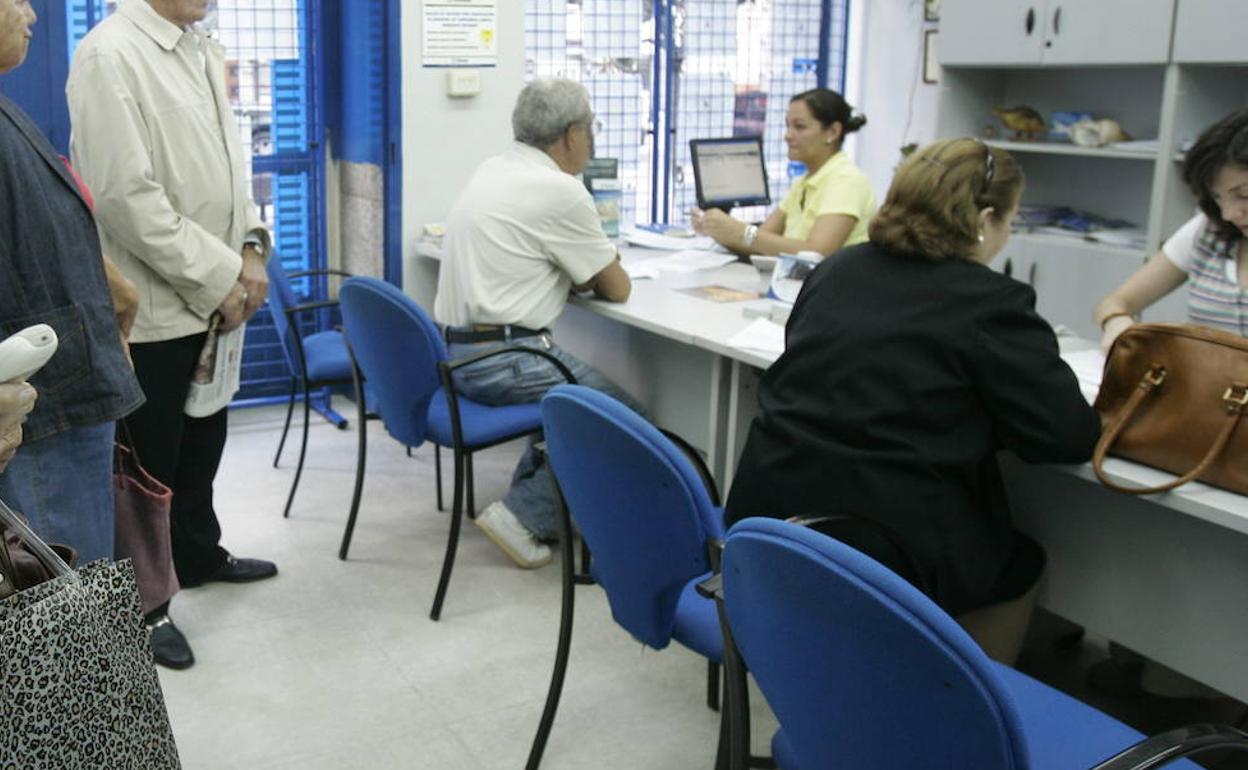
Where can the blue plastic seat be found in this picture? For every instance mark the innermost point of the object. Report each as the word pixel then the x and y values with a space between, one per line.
pixel 648 518
pixel 403 368
pixel 864 671
pixel 316 361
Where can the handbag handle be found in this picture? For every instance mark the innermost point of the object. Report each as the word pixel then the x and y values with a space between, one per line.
pixel 1235 398
pixel 46 556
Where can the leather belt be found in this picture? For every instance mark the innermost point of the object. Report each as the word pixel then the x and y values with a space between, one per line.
pixel 462 336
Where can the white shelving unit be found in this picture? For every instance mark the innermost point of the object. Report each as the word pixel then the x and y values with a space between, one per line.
pixel 1082 55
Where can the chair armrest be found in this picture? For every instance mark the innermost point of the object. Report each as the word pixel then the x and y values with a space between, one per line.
pixel 714 552
pixel 306 306
pixel 712 587
pixel 322 271
pixel 1165 747
pixel 451 366
pixel 699 464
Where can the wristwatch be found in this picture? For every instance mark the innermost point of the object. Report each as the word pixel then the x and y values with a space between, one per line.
pixel 257 243
pixel 751 234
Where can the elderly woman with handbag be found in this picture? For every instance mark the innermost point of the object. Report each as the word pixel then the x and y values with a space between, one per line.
pixel 909 365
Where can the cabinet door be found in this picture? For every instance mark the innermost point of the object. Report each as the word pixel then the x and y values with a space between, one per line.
pixel 1070 279
pixel 988 32
pixel 1107 31
pixel 1210 31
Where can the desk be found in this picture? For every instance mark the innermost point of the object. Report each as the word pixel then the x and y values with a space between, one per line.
pixel 667 348
pixel 1164 575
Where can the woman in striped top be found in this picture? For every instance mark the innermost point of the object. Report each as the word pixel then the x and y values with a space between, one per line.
pixel 1211 250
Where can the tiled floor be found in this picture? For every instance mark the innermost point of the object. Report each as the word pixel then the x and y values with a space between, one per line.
pixel 336 664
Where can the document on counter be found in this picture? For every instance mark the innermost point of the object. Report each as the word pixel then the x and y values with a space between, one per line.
pixel 762 335
pixel 692 260
pixel 651 240
pixel 719 293
pixel 642 268
pixel 1088 366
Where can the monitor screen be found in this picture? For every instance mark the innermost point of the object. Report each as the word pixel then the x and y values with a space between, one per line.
pixel 729 172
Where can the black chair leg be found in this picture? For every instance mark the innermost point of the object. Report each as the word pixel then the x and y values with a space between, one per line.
pixel 452 540
pixel 565 640
pixel 303 449
pixel 360 453
pixel 437 470
pixel 472 502
pixel 290 408
pixel 723 750
pixel 736 701
pixel 712 685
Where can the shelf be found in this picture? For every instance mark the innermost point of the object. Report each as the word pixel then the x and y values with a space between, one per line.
pixel 1062 148
pixel 1068 241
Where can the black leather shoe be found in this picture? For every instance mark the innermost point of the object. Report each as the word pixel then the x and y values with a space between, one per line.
pixel 243 570
pixel 169 647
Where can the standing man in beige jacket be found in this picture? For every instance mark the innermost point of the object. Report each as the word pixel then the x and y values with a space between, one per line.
pixel 155 139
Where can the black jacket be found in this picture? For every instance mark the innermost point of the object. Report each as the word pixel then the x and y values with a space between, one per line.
pixel 901 380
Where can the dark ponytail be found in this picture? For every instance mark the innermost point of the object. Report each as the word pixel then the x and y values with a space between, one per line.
pixel 829 107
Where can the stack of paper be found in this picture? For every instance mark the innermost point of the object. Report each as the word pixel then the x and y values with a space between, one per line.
pixel 761 335
pixel 691 260
pixel 651 240
pixel 1088 366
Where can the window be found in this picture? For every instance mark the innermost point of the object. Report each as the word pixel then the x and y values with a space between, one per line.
pixel 662 73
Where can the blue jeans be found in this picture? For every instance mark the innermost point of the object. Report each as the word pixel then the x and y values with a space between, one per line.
pixel 522 378
pixel 64 485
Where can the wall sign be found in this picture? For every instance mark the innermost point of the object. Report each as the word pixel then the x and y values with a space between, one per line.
pixel 460 33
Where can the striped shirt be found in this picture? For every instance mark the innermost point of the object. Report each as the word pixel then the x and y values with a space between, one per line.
pixel 1215 298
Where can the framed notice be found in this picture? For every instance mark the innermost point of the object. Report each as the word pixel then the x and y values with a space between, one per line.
pixel 460 33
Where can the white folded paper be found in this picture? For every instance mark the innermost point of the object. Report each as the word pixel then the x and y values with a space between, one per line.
pixel 762 335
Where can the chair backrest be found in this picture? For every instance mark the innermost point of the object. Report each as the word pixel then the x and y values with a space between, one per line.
pixel 637 501
pixel 282 297
pixel 397 347
pixel 861 669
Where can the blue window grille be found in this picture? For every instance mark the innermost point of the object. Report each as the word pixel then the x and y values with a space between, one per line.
pixel 608 45
pixel 662 72
pixel 274 82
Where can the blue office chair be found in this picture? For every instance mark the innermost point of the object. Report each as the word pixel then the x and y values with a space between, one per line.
pixel 865 671
pixel 649 520
pixel 399 351
pixel 316 361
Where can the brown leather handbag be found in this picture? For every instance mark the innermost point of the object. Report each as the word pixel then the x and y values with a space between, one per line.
pixel 1172 397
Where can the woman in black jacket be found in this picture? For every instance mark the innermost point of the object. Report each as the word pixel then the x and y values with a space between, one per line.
pixel 909 365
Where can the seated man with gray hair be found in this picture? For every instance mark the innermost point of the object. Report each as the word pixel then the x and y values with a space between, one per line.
pixel 522 234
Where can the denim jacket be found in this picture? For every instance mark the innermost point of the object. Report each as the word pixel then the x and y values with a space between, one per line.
pixel 51 272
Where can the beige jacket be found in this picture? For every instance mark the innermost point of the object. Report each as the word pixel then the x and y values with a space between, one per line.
pixel 157 143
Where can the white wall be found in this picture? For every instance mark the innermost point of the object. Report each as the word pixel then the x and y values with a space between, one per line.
pixel 884 81
pixel 444 139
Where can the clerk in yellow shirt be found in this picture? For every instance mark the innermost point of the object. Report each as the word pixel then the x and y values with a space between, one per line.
pixel 828 207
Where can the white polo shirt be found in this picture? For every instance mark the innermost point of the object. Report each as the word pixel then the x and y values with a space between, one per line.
pixel 521 234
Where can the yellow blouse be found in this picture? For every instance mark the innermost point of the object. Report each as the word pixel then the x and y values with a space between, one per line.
pixel 838 187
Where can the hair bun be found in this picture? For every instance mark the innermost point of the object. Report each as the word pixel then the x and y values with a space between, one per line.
pixel 856 121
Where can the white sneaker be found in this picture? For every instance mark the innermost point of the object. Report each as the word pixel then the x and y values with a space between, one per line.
pixel 501 525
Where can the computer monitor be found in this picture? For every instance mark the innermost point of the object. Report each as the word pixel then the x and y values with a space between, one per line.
pixel 729 172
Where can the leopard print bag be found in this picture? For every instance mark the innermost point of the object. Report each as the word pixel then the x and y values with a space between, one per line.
pixel 78 689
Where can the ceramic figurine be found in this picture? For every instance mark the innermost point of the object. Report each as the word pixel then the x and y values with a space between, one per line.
pixel 1097 133
pixel 1025 122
